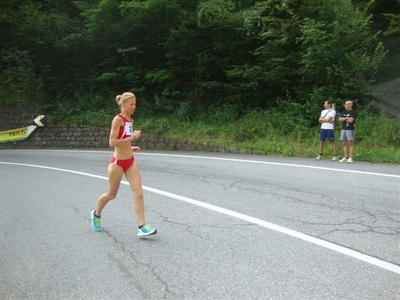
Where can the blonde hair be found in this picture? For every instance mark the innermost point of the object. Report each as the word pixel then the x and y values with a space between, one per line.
pixel 125 96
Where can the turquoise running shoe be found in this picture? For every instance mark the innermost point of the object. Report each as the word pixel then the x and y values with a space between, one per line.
pixel 146 230
pixel 96 224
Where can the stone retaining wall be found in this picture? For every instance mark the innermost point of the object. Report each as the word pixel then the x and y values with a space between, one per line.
pixel 82 136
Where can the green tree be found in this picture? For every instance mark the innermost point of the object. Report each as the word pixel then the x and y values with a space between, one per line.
pixel 30 32
pixel 310 50
pixel 181 56
pixel 339 54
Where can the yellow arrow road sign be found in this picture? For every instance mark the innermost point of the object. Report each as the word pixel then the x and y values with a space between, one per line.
pixel 20 134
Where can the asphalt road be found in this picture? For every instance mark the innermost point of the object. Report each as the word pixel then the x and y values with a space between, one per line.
pixel 229 227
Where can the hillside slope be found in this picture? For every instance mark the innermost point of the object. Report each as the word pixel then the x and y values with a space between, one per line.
pixel 387 96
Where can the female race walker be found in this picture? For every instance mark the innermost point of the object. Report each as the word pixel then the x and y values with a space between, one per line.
pixel 123 162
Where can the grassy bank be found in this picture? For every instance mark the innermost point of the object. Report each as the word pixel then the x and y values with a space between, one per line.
pixel 377 137
pixel 271 132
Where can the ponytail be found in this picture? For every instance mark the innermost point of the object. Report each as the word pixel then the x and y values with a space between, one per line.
pixel 125 96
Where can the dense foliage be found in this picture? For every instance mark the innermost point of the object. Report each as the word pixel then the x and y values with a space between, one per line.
pixel 185 56
pixel 244 73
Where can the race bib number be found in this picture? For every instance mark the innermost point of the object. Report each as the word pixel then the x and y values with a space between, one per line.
pixel 128 128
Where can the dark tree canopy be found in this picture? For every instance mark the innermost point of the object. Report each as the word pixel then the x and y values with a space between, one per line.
pixel 193 54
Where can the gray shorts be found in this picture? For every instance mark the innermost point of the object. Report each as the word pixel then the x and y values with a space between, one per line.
pixel 347 135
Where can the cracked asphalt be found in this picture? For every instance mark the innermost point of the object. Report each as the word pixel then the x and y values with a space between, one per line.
pixel 48 249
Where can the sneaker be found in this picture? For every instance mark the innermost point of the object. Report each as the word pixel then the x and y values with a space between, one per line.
pixel 95 221
pixel 335 158
pixel 319 157
pixel 350 160
pixel 145 230
pixel 344 159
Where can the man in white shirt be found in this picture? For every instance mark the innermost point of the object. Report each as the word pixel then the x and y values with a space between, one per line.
pixel 327 120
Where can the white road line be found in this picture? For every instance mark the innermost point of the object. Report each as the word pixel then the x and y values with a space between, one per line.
pixel 346 251
pixel 273 163
pixel 235 160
